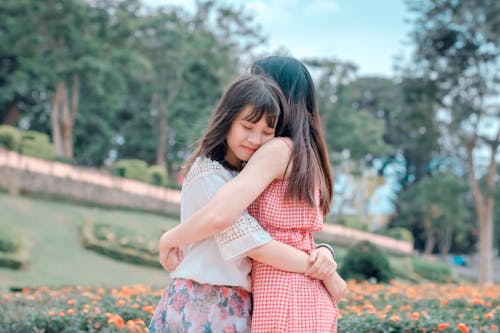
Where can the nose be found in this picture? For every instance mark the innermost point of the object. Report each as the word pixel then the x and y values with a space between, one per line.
pixel 255 139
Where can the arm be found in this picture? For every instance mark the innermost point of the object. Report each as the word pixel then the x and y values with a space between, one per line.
pixel 268 163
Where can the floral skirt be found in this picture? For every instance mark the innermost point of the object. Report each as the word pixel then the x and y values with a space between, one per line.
pixel 188 306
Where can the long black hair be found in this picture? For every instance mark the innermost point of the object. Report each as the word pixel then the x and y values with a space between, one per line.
pixel 310 161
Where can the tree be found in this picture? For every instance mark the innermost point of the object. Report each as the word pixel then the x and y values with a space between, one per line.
pixel 458 49
pixel 436 205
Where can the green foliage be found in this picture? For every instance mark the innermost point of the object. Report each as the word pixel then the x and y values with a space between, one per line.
pixel 10 241
pixel 10 137
pixel 157 175
pixel 432 271
pixel 65 160
pixel 120 243
pixel 36 144
pixel 399 233
pixel 353 222
pixel 437 206
pixel 132 169
pixel 366 261
pixel 14 249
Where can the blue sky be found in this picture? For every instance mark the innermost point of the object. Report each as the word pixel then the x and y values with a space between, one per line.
pixel 366 32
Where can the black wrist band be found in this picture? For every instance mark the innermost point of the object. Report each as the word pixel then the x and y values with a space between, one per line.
pixel 328 246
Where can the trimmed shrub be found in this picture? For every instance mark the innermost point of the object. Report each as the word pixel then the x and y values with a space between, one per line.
pixel 37 144
pixel 436 271
pixel 366 261
pixel 132 169
pixel 10 137
pixel 14 249
pixel 157 175
pixel 120 243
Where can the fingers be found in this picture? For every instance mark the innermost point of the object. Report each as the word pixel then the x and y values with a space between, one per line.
pixel 180 254
pixel 313 256
pixel 323 266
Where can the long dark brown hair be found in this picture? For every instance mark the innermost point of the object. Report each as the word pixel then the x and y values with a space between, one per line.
pixel 311 164
pixel 258 91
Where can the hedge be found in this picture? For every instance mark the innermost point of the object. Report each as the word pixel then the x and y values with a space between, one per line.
pixel 120 243
pixel 14 249
pixel 10 137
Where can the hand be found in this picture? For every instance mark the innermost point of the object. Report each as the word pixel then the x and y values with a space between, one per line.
pixel 170 258
pixel 323 264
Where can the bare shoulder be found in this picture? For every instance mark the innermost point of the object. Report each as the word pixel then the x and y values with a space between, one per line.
pixel 272 158
pixel 276 149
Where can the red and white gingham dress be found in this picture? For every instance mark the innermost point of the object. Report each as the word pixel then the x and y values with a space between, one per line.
pixel 283 301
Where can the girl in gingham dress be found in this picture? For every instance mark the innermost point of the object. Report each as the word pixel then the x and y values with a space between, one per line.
pixel 210 290
pixel 298 174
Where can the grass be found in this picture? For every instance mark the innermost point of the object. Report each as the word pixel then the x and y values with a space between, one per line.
pixel 58 258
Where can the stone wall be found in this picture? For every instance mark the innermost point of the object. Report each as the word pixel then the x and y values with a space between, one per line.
pixel 20 173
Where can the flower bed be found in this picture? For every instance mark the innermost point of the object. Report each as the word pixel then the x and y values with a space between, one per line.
pixel 367 308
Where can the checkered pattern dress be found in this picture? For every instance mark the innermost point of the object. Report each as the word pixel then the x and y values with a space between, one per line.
pixel 283 301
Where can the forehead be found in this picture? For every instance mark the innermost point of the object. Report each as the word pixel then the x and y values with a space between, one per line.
pixel 246 112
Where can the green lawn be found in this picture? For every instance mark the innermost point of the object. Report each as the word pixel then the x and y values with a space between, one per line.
pixel 58 258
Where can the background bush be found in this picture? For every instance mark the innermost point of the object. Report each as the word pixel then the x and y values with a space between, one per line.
pixel 37 144
pixel 157 175
pixel 14 249
pixel 432 271
pixel 10 137
pixel 132 169
pixel 366 261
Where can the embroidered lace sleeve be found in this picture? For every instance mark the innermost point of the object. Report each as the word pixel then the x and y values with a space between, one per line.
pixel 202 182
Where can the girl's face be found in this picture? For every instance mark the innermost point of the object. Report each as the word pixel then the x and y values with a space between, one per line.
pixel 245 137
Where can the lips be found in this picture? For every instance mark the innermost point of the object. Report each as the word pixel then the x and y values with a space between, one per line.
pixel 251 150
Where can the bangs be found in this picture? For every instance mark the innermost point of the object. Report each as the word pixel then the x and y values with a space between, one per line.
pixel 269 110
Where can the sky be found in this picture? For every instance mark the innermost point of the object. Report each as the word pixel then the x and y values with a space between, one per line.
pixel 366 32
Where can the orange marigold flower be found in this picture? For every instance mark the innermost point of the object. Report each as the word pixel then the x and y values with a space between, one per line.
pixel 478 301
pixel 494 327
pixel 395 318
pixel 116 320
pixel 60 314
pixel 71 302
pixel 148 308
pixel 443 326
pixel 463 328
pixel 52 313
pixel 489 315
pixel 415 315
pixel 70 311
pixel 120 302
pixel 405 308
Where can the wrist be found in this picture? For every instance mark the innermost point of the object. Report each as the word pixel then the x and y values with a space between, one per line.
pixel 164 241
pixel 328 247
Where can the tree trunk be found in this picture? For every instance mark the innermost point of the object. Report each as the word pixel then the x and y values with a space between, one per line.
pixel 484 205
pixel 430 241
pixel 56 105
pixel 162 130
pixel 445 243
pixel 12 115
pixel 63 117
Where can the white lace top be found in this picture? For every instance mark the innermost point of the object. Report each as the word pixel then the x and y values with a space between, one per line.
pixel 218 260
